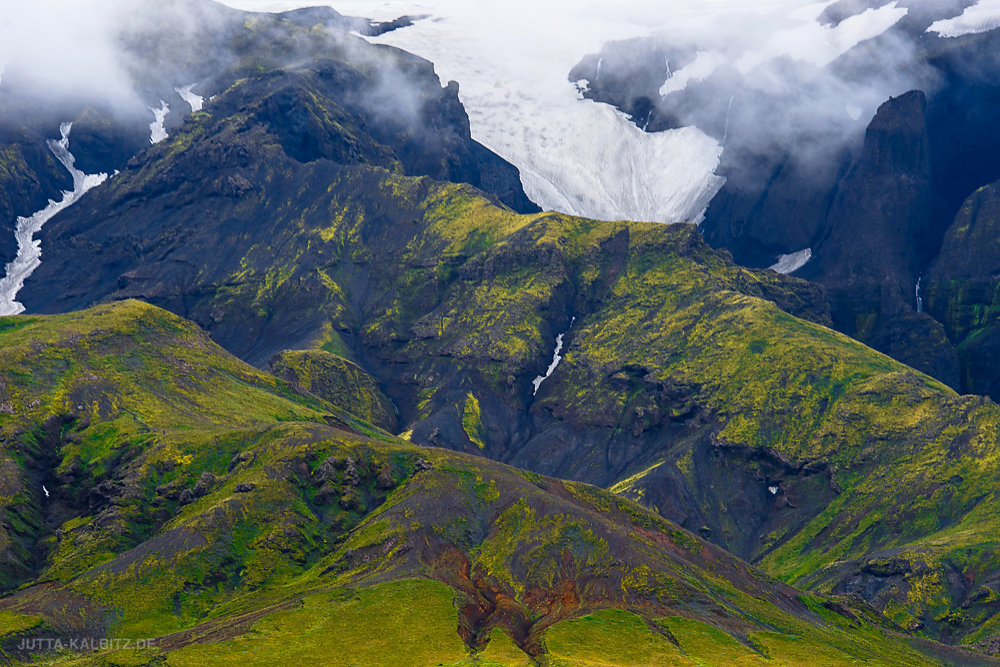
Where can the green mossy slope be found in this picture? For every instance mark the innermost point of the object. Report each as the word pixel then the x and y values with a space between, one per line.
pixel 233 520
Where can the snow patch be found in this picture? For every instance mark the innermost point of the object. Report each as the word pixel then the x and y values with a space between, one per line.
pixel 29 250
pixel 792 262
pixel 157 132
pixel 981 17
pixel 773 490
pixel 556 358
pixel 196 102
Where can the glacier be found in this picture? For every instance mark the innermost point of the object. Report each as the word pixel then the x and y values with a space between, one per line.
pixel 29 249
pixel 512 62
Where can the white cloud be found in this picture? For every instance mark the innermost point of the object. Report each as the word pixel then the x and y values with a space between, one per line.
pixel 63 46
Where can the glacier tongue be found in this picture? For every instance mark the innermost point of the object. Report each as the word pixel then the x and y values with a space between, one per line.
pixel 575 155
pixel 29 249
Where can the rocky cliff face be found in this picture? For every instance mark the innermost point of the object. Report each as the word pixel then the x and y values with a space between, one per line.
pixel 882 228
pixel 962 287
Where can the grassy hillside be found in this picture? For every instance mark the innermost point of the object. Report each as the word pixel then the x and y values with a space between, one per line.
pixel 195 500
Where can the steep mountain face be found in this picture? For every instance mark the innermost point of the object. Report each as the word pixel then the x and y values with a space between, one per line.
pixel 170 491
pixel 962 286
pixel 880 222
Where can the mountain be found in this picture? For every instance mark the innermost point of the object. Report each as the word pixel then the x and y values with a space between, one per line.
pixel 678 366
pixel 169 491
pixel 440 362
pixel 393 98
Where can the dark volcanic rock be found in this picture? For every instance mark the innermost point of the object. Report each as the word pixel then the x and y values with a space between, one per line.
pixel 882 230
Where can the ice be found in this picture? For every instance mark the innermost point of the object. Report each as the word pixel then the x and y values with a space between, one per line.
pixel 792 262
pixel 981 17
pixel 556 358
pixel 157 132
pixel 195 101
pixel 29 249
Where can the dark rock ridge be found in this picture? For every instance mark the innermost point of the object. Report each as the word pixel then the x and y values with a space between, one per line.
pixel 962 289
pixel 882 229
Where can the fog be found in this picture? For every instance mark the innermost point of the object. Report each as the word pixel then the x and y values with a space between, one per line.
pixel 752 72
pixel 67 47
